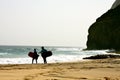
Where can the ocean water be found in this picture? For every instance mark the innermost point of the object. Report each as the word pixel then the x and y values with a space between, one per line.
pixel 19 54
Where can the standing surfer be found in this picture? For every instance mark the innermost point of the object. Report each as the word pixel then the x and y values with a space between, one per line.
pixel 43 54
pixel 35 56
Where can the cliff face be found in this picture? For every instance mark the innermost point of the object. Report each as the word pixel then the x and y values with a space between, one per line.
pixel 116 3
pixel 105 32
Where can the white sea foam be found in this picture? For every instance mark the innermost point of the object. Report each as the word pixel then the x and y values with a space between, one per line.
pixel 3 53
pixel 52 59
pixel 67 49
pixel 18 55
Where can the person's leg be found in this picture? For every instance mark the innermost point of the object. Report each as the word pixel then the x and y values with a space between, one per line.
pixel 36 60
pixel 32 60
pixel 45 61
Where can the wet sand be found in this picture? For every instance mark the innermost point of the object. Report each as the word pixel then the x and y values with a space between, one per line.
pixel 103 69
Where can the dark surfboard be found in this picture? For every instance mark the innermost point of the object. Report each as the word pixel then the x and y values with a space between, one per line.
pixel 46 54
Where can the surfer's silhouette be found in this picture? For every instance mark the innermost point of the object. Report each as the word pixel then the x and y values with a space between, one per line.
pixel 35 56
pixel 43 54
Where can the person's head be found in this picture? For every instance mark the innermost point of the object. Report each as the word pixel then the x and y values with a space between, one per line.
pixel 34 50
pixel 42 47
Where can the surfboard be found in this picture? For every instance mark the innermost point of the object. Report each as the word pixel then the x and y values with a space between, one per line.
pixel 49 53
pixel 46 54
pixel 31 54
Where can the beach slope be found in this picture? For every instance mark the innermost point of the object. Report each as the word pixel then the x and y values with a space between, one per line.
pixel 103 69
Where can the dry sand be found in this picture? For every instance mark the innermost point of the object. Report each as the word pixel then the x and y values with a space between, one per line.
pixel 107 69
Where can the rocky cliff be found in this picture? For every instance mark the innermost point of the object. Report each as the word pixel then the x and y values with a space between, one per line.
pixel 116 3
pixel 105 32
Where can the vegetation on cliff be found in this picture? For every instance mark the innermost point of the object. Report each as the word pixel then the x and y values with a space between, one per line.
pixel 105 32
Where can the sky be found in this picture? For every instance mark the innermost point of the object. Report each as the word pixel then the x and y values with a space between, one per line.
pixel 49 22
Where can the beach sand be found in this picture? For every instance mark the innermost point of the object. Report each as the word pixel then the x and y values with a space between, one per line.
pixel 104 69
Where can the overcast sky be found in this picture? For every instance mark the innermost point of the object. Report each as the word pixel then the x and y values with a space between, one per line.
pixel 49 22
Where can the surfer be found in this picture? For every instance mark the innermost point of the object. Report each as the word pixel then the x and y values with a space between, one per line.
pixel 35 56
pixel 43 54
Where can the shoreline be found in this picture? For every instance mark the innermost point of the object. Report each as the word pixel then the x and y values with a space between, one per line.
pixel 102 69
pixel 40 61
